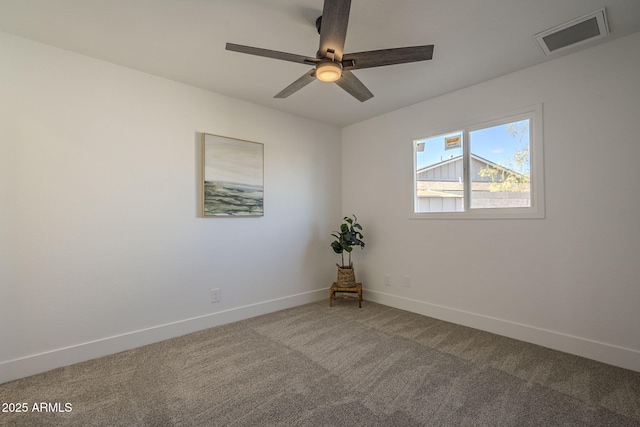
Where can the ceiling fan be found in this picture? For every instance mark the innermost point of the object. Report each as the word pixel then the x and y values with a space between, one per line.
pixel 331 64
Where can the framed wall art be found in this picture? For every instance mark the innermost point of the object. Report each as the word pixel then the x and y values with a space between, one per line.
pixel 232 177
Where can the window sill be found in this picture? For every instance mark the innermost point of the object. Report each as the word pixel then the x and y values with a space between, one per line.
pixel 505 213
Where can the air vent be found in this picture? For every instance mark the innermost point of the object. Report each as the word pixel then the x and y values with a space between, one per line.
pixel 573 33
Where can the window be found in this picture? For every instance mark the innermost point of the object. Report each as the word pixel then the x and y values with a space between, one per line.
pixel 491 169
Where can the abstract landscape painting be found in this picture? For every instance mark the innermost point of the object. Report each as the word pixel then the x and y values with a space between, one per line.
pixel 233 172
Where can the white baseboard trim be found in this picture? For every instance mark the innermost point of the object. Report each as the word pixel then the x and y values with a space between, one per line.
pixel 602 352
pixel 38 363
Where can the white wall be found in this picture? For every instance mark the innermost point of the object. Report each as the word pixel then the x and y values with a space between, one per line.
pixel 101 244
pixel 570 281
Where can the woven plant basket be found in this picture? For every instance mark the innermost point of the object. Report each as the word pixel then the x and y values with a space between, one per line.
pixel 346 276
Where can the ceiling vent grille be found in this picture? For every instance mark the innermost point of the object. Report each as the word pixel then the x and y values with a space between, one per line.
pixel 573 33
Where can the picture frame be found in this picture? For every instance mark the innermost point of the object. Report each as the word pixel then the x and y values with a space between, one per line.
pixel 232 177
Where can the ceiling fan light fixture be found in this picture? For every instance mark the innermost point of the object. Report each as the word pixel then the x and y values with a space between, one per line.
pixel 328 71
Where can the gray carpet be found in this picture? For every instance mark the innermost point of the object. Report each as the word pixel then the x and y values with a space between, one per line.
pixel 342 366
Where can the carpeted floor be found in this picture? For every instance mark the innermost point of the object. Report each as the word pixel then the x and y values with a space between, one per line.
pixel 318 366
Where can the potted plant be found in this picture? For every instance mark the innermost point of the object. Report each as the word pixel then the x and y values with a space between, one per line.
pixel 349 236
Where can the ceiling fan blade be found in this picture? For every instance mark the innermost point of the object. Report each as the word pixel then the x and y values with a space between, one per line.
pixel 355 87
pixel 333 30
pixel 298 84
pixel 379 58
pixel 271 54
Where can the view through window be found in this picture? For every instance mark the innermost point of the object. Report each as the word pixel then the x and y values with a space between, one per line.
pixel 500 173
pixel 439 174
pixel 482 167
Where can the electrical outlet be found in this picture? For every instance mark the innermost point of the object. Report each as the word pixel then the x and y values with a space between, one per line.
pixel 406 281
pixel 216 295
pixel 387 280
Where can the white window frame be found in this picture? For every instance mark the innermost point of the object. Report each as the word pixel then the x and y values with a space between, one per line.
pixel 536 151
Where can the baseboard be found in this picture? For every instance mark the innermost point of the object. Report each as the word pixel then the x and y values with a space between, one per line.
pixel 35 364
pixel 38 363
pixel 602 352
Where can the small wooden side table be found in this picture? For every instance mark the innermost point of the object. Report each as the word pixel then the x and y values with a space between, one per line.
pixel 357 289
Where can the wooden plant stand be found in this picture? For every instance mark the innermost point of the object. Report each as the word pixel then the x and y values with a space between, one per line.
pixel 357 289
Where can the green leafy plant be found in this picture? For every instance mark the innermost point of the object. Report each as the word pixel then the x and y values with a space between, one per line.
pixel 349 236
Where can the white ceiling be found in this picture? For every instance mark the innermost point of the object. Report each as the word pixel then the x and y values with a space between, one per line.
pixel 184 40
